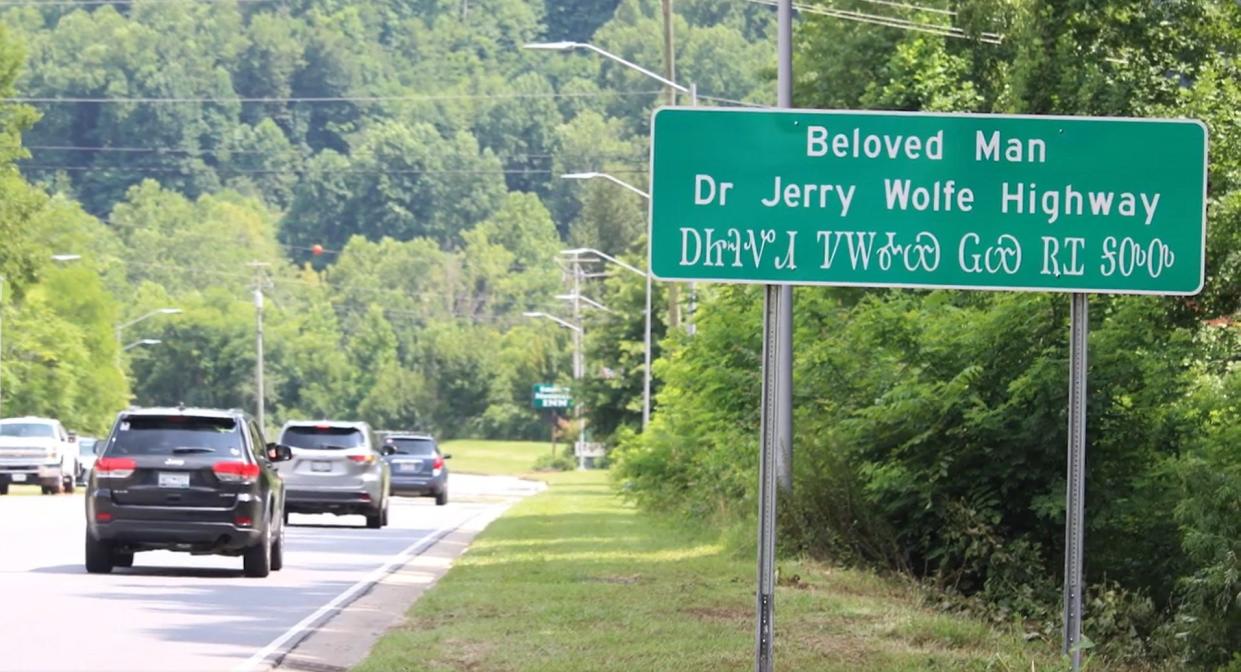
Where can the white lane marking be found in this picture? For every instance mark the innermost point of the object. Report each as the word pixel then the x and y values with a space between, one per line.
pixel 369 580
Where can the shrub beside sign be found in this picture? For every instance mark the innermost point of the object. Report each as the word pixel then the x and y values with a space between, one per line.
pixel 929 200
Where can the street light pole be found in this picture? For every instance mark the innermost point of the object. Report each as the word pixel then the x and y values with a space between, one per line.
pixel 673 87
pixel 646 350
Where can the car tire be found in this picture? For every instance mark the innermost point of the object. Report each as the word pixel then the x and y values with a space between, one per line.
pixel 374 520
pixel 122 558
pixel 70 484
pixel 442 498
pixel 98 556
pixel 383 519
pixel 47 490
pixel 256 561
pixel 277 553
pixel 4 488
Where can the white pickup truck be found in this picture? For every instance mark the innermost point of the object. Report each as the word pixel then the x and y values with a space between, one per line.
pixel 37 451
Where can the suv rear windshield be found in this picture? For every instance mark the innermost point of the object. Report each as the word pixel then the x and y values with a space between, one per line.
pixel 28 429
pixel 323 438
pixel 412 446
pixel 176 435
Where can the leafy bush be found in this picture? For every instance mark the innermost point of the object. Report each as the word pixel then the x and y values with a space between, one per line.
pixel 554 463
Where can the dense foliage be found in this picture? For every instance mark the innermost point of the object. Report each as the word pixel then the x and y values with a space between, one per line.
pixel 931 427
pixel 388 172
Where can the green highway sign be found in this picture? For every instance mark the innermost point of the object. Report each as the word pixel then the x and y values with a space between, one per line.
pixel 1067 204
pixel 552 396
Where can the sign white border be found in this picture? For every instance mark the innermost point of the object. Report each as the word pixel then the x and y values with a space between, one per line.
pixel 650 217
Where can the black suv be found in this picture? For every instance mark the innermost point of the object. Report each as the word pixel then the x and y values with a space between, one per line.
pixel 193 480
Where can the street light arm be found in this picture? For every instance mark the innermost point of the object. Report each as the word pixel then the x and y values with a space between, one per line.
pixel 145 341
pixel 604 255
pixel 557 320
pixel 634 66
pixel 566 46
pixel 586 300
pixel 611 178
pixel 153 313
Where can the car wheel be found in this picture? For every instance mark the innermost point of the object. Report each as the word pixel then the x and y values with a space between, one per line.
pixel 277 552
pixel 123 559
pixel 374 520
pixel 70 484
pixel 383 519
pixel 46 489
pixel 98 556
pixel 4 489
pixel 442 498
pixel 256 562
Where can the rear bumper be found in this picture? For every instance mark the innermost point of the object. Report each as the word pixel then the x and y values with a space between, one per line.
pixel 177 528
pixel 415 485
pixel 317 500
pixel 195 537
pixel 31 474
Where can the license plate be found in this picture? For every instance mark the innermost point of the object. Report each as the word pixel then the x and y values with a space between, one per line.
pixel 320 466
pixel 409 466
pixel 18 478
pixel 172 479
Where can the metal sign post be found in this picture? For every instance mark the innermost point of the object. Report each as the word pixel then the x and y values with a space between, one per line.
pixel 777 402
pixel 1075 503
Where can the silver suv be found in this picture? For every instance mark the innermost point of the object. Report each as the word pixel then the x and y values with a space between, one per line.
pixel 336 468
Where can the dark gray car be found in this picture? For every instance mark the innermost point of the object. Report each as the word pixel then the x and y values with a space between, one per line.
pixel 417 466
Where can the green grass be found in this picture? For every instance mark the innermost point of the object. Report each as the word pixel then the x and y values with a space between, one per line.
pixel 476 456
pixel 574 579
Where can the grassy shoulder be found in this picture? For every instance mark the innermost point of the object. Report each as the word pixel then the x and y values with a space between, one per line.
pixel 477 456
pixel 574 579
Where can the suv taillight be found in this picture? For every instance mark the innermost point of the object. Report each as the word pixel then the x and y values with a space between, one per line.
pixel 363 459
pixel 235 472
pixel 115 467
pixel 439 462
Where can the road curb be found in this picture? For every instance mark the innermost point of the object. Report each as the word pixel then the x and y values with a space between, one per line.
pixel 344 638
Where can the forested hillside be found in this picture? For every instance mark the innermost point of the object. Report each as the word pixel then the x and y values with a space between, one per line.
pixel 415 145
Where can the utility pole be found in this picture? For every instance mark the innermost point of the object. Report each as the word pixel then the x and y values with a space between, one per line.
pixel 579 363
pixel 259 389
pixel 670 69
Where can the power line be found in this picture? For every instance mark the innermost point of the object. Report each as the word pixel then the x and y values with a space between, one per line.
pixel 916 8
pixel 209 151
pixel 299 171
pixel 318 99
pixel 891 22
pixel 72 3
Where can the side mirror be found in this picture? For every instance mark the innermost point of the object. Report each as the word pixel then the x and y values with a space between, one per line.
pixel 447 456
pixel 73 438
pixel 388 450
pixel 279 453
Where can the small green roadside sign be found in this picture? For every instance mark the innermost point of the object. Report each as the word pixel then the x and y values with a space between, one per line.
pixel 548 396
pixel 1067 204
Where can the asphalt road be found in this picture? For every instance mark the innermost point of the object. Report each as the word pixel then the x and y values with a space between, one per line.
pixel 174 611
